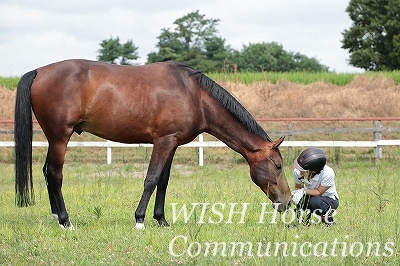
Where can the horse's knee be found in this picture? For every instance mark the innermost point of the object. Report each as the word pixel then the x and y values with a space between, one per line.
pixel 150 184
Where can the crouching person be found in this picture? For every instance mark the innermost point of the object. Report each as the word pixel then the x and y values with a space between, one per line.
pixel 315 189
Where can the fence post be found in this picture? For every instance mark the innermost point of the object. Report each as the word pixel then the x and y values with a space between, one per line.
pixel 377 136
pixel 201 150
pixel 109 155
pixel 289 138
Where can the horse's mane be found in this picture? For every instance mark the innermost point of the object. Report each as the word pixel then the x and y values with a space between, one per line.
pixel 227 100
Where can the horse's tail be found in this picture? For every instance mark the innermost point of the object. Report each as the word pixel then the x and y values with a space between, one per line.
pixel 23 141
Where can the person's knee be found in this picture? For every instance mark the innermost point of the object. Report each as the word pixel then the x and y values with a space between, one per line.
pixel 318 206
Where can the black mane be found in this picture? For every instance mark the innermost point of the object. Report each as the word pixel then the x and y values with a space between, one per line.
pixel 230 103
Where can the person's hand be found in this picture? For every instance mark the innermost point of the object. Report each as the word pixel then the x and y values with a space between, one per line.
pixel 297 195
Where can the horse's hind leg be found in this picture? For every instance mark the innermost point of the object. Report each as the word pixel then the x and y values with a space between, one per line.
pixel 52 198
pixel 53 174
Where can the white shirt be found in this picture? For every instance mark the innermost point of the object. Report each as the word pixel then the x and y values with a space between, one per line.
pixel 325 178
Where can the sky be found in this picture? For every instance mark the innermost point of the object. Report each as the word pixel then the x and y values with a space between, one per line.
pixel 34 33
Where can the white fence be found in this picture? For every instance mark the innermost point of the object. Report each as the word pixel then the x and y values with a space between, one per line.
pixel 200 144
pixel 376 143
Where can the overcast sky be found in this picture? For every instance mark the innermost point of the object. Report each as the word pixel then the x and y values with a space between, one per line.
pixel 38 32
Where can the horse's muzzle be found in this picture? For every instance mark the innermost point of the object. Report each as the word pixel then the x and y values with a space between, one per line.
pixel 281 207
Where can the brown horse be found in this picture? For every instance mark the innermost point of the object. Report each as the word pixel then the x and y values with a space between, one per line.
pixel 167 104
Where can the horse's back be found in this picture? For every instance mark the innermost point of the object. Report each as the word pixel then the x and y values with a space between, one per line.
pixel 121 103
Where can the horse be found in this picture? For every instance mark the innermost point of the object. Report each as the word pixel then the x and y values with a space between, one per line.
pixel 166 103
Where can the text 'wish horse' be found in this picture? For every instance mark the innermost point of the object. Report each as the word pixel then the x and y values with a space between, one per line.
pixel 167 104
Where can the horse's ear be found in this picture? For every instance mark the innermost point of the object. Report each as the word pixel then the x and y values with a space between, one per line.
pixel 276 143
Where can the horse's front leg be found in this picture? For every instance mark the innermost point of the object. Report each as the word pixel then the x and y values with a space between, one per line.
pixel 162 151
pixel 159 210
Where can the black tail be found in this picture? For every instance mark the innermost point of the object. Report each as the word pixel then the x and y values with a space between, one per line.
pixel 23 142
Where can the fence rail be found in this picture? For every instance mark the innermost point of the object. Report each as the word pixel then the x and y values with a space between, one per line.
pixel 377 143
pixel 209 144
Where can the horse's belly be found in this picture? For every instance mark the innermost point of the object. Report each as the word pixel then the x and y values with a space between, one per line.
pixel 119 132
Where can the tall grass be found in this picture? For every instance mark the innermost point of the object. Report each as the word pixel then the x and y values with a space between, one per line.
pixel 101 201
pixel 294 77
pixel 9 82
pixel 339 79
pixel 394 75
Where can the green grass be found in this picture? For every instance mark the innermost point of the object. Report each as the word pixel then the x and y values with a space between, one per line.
pixel 101 200
pixel 294 77
pixel 395 75
pixel 9 82
pixel 339 79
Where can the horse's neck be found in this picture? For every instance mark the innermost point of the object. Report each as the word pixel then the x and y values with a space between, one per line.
pixel 227 129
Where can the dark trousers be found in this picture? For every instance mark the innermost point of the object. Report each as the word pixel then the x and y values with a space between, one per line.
pixel 319 205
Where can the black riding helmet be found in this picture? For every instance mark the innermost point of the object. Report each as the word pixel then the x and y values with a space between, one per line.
pixel 313 159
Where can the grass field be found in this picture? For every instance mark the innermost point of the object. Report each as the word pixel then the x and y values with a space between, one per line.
pixel 101 200
pixel 339 79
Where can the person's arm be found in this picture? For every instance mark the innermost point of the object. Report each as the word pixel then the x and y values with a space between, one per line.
pixel 317 191
pixel 297 179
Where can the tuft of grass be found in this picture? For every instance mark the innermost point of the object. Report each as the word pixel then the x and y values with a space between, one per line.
pixel 380 190
pixel 97 212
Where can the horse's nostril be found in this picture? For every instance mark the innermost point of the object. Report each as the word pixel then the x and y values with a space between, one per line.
pixel 281 207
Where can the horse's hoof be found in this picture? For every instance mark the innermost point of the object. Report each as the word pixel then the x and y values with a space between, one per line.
pixel 70 227
pixel 139 226
pixel 161 220
pixel 163 223
pixel 67 226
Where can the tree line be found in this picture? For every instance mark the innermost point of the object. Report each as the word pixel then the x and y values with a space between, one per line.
pixel 373 42
pixel 194 40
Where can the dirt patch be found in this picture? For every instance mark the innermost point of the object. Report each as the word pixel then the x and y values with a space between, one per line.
pixel 7 101
pixel 363 97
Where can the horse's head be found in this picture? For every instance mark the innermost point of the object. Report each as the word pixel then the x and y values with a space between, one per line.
pixel 266 172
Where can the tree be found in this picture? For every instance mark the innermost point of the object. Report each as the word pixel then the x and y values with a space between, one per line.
pixel 128 52
pixel 272 57
pixel 113 51
pixel 373 40
pixel 193 41
pixel 307 64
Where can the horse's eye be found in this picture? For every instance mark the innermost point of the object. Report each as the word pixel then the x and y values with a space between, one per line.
pixel 278 166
